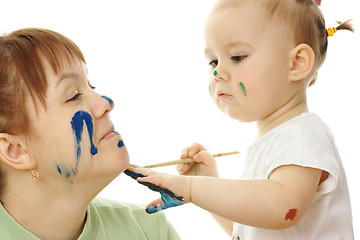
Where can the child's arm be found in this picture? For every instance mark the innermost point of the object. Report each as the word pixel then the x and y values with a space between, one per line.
pixel 276 203
pixel 205 166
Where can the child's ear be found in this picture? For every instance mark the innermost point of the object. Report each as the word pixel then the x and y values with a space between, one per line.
pixel 302 62
pixel 13 152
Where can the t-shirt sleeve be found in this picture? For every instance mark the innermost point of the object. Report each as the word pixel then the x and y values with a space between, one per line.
pixel 306 145
pixel 156 226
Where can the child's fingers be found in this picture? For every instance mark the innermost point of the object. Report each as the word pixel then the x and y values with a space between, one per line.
pixel 155 203
pixel 156 183
pixel 162 204
pixel 139 172
pixel 180 168
pixel 185 152
pixel 133 165
pixel 153 179
pixel 194 149
pixel 189 152
pixel 203 157
pixel 183 168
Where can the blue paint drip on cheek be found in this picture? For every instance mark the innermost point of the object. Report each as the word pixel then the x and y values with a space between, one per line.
pixel 109 100
pixel 77 124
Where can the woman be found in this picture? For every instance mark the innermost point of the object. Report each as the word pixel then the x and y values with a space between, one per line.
pixel 59 148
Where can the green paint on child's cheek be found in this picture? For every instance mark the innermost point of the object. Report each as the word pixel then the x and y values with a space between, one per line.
pixel 243 88
pixel 215 73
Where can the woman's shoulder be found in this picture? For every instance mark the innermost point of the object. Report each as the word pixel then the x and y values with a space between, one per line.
pixel 102 204
pixel 119 218
pixel 105 207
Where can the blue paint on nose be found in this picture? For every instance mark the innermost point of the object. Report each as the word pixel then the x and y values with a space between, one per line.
pixel 109 100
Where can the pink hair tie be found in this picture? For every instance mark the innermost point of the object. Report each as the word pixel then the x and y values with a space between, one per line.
pixel 318 2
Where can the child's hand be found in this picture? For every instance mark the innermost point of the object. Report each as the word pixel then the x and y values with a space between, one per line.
pixel 204 165
pixel 174 190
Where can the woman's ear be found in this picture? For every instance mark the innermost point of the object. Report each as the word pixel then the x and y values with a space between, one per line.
pixel 13 152
pixel 302 62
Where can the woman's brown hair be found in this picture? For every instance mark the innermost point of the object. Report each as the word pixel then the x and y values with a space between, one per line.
pixel 22 55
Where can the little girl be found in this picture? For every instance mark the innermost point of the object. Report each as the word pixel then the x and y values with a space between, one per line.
pixel 264 55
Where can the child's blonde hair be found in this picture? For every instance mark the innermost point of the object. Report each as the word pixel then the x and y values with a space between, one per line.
pixel 301 19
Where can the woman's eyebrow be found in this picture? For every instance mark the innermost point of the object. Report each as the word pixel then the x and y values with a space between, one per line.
pixel 67 76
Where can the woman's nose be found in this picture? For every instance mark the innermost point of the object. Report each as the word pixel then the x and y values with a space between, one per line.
pixel 102 106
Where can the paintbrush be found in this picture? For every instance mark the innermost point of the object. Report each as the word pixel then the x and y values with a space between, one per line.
pixel 186 160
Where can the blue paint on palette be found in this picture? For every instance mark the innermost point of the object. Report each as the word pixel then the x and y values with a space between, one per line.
pixel 109 100
pixel 77 124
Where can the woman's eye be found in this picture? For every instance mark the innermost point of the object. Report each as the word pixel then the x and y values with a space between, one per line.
pixel 213 63
pixel 238 58
pixel 75 97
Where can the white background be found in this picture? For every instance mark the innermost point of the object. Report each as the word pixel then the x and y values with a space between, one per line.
pixel 148 57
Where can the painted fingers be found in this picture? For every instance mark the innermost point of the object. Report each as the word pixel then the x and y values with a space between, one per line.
pixel 152 180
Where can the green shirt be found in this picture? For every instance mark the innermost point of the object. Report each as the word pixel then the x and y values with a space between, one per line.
pixel 106 220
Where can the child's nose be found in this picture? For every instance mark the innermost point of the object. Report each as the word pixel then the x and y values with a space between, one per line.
pixel 220 75
pixel 102 106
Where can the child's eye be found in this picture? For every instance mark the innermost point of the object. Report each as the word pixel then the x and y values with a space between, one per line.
pixel 238 58
pixel 75 97
pixel 213 63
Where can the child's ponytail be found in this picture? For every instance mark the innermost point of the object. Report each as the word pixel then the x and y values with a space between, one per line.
pixel 342 26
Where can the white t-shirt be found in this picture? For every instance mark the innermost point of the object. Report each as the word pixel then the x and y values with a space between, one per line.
pixel 305 141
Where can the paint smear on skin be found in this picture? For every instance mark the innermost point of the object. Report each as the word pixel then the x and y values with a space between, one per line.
pixel 168 203
pixel 64 171
pixel 242 86
pixel 121 142
pixel 168 197
pixel 77 124
pixel 109 100
pixel 291 214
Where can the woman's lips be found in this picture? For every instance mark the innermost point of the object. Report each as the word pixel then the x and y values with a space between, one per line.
pixel 109 135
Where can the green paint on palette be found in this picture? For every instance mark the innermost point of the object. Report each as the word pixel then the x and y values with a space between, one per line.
pixel 243 88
